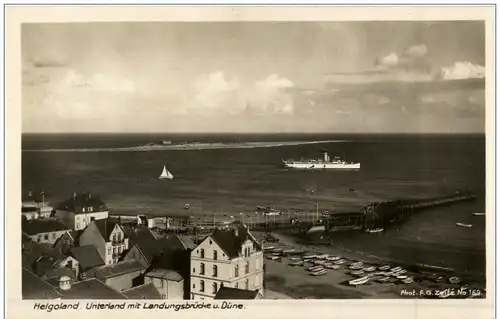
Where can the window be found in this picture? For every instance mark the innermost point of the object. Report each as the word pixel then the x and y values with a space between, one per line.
pixel 109 251
pixel 215 254
pixel 214 288
pixel 163 296
pixel 90 209
pixel 236 285
pixel 83 209
pixel 236 271
pixel 246 284
pixel 194 271
pixel 46 237
pixel 215 271
pixel 53 235
pixel 114 237
pixel 202 286
pixel 202 269
pixel 92 219
pixel 202 254
pixel 247 267
pixel 114 250
pixel 194 286
pixel 210 242
pixel 221 284
pixel 69 264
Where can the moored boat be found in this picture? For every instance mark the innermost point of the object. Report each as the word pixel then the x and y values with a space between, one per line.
pixel 384 279
pixel 359 281
pixel 369 269
pixel 478 214
pixel 314 268
pixel 297 263
pixel 455 280
pixel 408 280
pixel 319 273
pixel 357 272
pixel 384 267
pixel 464 225
pixel 339 262
pixel 165 174
pixel 332 258
pixel 374 230
pixel 396 269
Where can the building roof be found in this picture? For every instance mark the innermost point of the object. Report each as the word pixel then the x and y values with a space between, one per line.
pixel 228 293
pixel 31 197
pixel 230 241
pixel 120 268
pixel 139 234
pixel 77 201
pixel 37 226
pixel 46 263
pixel 166 274
pixel 146 291
pixel 177 242
pixel 52 276
pixel 106 226
pixel 87 256
pixel 91 289
pixel 33 287
pixel 31 252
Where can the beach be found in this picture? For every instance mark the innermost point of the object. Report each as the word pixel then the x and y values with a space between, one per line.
pixel 298 283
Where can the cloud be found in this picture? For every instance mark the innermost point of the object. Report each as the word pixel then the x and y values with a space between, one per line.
pixel 463 70
pixel 416 51
pixel 216 93
pixel 390 60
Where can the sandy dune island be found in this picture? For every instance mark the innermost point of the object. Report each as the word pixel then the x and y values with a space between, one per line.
pixel 188 146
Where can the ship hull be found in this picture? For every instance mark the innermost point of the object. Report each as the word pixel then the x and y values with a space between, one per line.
pixel 334 166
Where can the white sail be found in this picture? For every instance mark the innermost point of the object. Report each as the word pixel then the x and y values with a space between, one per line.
pixel 166 174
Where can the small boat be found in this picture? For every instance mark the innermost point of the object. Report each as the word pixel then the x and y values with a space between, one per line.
pixel 374 230
pixel 396 269
pixel 385 267
pixel 186 206
pixel 464 225
pixel 309 256
pixel 165 174
pixel 478 214
pixel 277 250
pixel 369 269
pixel 319 273
pixel 314 268
pixel 274 258
pixel 408 280
pixel 332 266
pixel 439 279
pixel 332 258
pixel 357 272
pixel 319 262
pixel 322 256
pixel 354 267
pixel 455 280
pixel 276 254
pixel 288 251
pixel 294 259
pixel 339 262
pixel 359 281
pixel 269 248
pixel 402 271
pixel 402 277
pixel 357 263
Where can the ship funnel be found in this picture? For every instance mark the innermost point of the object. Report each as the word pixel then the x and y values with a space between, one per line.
pixel 326 157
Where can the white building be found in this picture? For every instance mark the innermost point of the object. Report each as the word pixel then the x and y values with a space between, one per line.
pixel 80 210
pixel 108 237
pixel 227 258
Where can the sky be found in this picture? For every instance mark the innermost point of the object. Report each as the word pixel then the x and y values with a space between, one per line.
pixel 254 77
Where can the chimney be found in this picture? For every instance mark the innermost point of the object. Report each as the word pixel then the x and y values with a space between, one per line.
pixel 65 283
pixel 30 194
pixel 74 195
pixel 235 231
pixel 90 195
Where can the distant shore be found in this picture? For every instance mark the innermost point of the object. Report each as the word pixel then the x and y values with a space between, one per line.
pixel 188 146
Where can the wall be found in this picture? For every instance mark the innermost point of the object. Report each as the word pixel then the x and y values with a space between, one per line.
pixel 172 290
pixel 92 236
pixel 52 237
pixel 124 281
pixel 84 219
pixel 75 265
pixel 226 270
pixel 117 246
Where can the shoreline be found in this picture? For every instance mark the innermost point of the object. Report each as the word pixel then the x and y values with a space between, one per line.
pixel 286 279
pixel 189 146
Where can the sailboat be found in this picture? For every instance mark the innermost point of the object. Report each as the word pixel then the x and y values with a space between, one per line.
pixel 166 174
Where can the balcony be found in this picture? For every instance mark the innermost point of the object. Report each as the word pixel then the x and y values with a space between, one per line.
pixel 118 242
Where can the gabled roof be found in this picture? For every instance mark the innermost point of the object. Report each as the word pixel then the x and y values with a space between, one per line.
pixel 82 200
pixel 52 276
pixel 177 242
pixel 87 256
pixel 230 241
pixel 106 226
pixel 146 291
pixel 120 268
pixel 139 234
pixel 228 293
pixel 91 289
pixel 47 263
pixel 37 226
pixel 167 274
pixel 32 251
pixel 33 287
